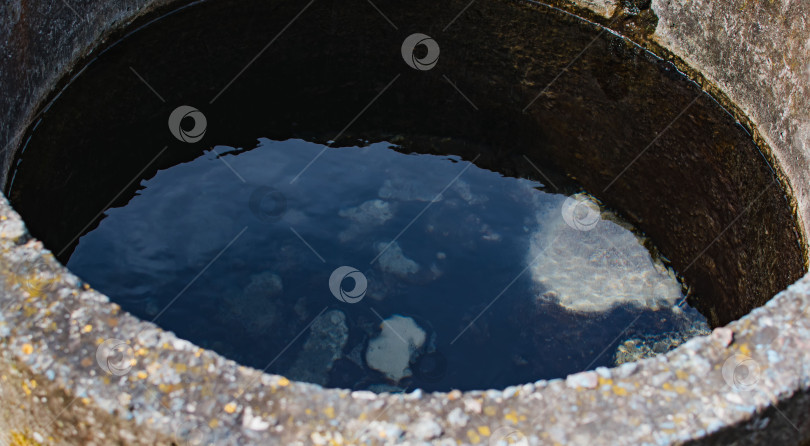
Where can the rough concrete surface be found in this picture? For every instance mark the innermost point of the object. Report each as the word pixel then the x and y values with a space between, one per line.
pixel 51 325
pixel 756 53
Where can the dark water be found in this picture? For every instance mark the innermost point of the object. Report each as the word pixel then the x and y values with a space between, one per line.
pixel 241 239
pixel 234 251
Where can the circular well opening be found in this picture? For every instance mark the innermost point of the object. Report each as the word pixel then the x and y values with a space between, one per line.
pixel 511 93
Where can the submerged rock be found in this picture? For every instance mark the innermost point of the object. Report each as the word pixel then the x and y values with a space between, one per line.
pixel 264 285
pixel 646 345
pixel 324 345
pixel 256 308
pixel 390 352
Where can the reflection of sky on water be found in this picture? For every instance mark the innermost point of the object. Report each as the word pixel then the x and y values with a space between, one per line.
pixel 350 204
pixel 597 268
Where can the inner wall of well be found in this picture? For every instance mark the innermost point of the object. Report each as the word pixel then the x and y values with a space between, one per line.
pixel 623 124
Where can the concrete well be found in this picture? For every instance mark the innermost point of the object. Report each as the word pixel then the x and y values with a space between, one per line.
pixel 752 56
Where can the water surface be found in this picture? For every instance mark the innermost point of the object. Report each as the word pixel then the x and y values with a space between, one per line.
pixel 483 280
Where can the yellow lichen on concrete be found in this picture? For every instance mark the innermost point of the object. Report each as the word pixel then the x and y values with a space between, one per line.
pixel 22 439
pixel 34 285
